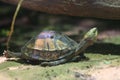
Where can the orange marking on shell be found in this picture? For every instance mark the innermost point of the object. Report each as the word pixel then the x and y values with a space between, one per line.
pixel 39 44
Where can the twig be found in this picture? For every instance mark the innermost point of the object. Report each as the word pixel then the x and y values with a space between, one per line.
pixel 13 23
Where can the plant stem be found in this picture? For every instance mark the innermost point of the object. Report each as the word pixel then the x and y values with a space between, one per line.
pixel 13 23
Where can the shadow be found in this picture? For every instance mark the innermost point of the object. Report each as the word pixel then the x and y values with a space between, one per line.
pixel 38 62
pixel 104 48
pixel 25 61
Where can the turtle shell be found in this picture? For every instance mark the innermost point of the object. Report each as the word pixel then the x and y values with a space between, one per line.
pixel 49 45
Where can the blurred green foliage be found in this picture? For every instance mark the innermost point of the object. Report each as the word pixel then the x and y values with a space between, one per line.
pixel 4 32
pixel 116 40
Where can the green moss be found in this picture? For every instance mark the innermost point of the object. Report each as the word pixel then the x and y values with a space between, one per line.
pixel 115 40
pixel 60 72
pixel 8 64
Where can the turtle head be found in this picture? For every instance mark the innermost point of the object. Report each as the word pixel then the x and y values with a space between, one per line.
pixel 88 39
pixel 91 35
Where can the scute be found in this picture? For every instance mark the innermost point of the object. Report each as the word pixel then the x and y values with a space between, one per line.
pixel 49 45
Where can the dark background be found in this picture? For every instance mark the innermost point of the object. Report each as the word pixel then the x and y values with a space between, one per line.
pixel 29 23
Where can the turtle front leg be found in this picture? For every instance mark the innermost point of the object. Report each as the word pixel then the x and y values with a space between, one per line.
pixel 54 63
pixel 80 57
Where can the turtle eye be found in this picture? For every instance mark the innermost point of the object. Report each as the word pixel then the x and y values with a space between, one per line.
pixel 51 37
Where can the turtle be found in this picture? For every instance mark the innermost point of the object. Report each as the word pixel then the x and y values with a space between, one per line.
pixel 52 48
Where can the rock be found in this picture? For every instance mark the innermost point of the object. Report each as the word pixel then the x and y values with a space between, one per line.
pixel 106 9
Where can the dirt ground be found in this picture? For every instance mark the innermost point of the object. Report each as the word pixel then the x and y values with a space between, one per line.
pixel 108 73
pixel 4 78
pixel 101 73
pixel 2 59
